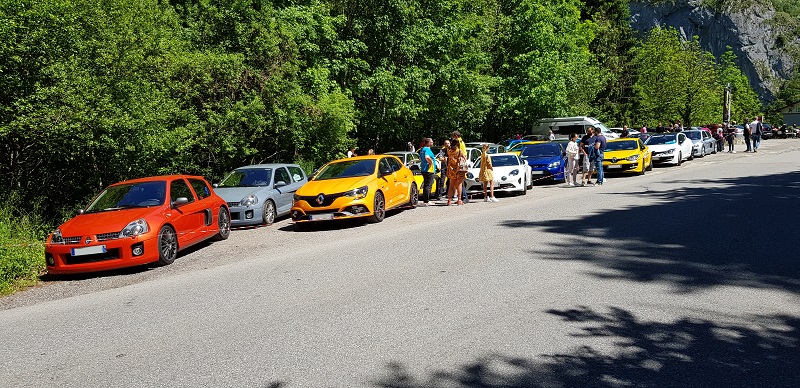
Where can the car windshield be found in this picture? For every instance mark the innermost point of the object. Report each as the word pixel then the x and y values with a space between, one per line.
pixel 129 195
pixel 549 149
pixel 504 160
pixel 347 169
pixel 248 177
pixel 662 139
pixel 694 135
pixel 622 145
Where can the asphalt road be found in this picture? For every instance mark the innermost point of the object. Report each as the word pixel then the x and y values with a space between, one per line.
pixel 687 276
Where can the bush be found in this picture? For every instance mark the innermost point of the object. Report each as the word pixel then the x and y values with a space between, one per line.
pixel 21 249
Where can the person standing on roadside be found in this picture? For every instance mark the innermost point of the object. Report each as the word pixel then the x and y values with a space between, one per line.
pixel 444 183
pixel 428 167
pixel 757 131
pixel 456 170
pixel 463 146
pixel 625 132
pixel 587 150
pixel 731 139
pixel 352 152
pixel 551 136
pixel 572 161
pixel 748 131
pixel 599 153
pixel 486 175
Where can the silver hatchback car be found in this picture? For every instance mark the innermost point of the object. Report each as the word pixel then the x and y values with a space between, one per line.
pixel 260 193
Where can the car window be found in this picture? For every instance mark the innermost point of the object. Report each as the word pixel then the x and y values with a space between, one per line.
pixel 178 188
pixel 396 166
pixel 281 175
pixel 142 194
pixel 248 177
pixel 297 173
pixel 346 169
pixel 384 165
pixel 200 188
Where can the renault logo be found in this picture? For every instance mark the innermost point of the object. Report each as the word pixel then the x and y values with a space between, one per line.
pixel 88 241
pixel 613 160
pixel 320 199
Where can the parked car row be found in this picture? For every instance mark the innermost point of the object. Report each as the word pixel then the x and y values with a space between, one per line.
pixel 149 220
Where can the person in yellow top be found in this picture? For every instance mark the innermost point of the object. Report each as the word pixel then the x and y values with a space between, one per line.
pixel 486 176
pixel 463 146
pixel 456 170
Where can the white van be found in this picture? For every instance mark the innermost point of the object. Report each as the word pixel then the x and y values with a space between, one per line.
pixel 562 127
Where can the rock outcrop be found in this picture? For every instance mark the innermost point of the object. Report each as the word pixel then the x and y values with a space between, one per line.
pixel 748 31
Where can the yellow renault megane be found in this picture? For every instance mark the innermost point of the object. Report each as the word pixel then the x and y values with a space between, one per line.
pixel 364 186
pixel 627 154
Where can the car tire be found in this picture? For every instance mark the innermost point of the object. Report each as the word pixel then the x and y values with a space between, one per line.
pixel 167 245
pixel 269 214
pixel 644 169
pixel 413 196
pixel 691 156
pixel 223 224
pixel 680 158
pixel 650 165
pixel 378 209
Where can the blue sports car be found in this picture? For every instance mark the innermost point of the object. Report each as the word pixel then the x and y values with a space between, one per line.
pixel 546 160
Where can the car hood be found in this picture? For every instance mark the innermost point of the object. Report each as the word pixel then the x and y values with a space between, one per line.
pixel 334 186
pixel 105 222
pixel 620 154
pixel 662 147
pixel 542 159
pixel 236 194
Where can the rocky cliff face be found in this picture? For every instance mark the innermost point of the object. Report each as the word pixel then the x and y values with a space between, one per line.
pixel 748 31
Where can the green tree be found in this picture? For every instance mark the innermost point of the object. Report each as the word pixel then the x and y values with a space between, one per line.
pixel 744 101
pixel 676 80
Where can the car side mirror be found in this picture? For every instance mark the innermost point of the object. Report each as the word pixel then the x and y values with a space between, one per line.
pixel 386 171
pixel 280 184
pixel 180 201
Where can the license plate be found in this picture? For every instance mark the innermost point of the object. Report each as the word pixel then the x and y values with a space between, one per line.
pixel 320 217
pixel 88 250
pixel 537 172
pixel 614 166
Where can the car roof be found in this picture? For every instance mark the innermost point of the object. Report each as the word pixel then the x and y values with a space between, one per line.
pixel 267 165
pixel 159 178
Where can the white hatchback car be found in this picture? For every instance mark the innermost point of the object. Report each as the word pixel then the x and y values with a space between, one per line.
pixel 671 148
pixel 510 174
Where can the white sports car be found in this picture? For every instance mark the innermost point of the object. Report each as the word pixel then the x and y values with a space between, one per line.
pixel 510 174
pixel 672 148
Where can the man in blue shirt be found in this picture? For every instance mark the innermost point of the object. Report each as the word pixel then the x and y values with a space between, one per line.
pixel 599 153
pixel 428 167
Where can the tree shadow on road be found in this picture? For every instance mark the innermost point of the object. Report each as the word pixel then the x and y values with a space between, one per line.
pixel 741 232
pixel 683 353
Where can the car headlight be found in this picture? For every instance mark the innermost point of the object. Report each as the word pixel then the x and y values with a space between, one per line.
pixel 514 172
pixel 470 176
pixel 669 152
pixel 632 158
pixel 250 200
pixel 358 193
pixel 57 238
pixel 554 164
pixel 135 228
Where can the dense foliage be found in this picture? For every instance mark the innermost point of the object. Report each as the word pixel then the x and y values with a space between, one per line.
pixel 94 92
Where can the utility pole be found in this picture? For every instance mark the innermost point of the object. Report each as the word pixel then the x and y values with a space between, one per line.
pixel 726 109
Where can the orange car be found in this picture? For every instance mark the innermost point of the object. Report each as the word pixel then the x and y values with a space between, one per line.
pixel 137 222
pixel 364 186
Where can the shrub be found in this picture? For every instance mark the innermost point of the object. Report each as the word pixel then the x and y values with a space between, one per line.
pixel 21 249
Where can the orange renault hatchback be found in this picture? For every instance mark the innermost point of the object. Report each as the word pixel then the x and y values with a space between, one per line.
pixel 364 186
pixel 137 222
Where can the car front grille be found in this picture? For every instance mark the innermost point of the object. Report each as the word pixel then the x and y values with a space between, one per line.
pixel 72 240
pixel 107 236
pixel 328 201
pixel 110 255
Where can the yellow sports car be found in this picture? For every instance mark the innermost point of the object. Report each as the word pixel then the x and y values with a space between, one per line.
pixel 364 186
pixel 627 155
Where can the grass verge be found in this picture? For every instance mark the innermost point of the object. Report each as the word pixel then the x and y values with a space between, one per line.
pixel 21 249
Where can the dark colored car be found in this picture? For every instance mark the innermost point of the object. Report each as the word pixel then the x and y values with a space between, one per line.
pixel 768 131
pixel 546 160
